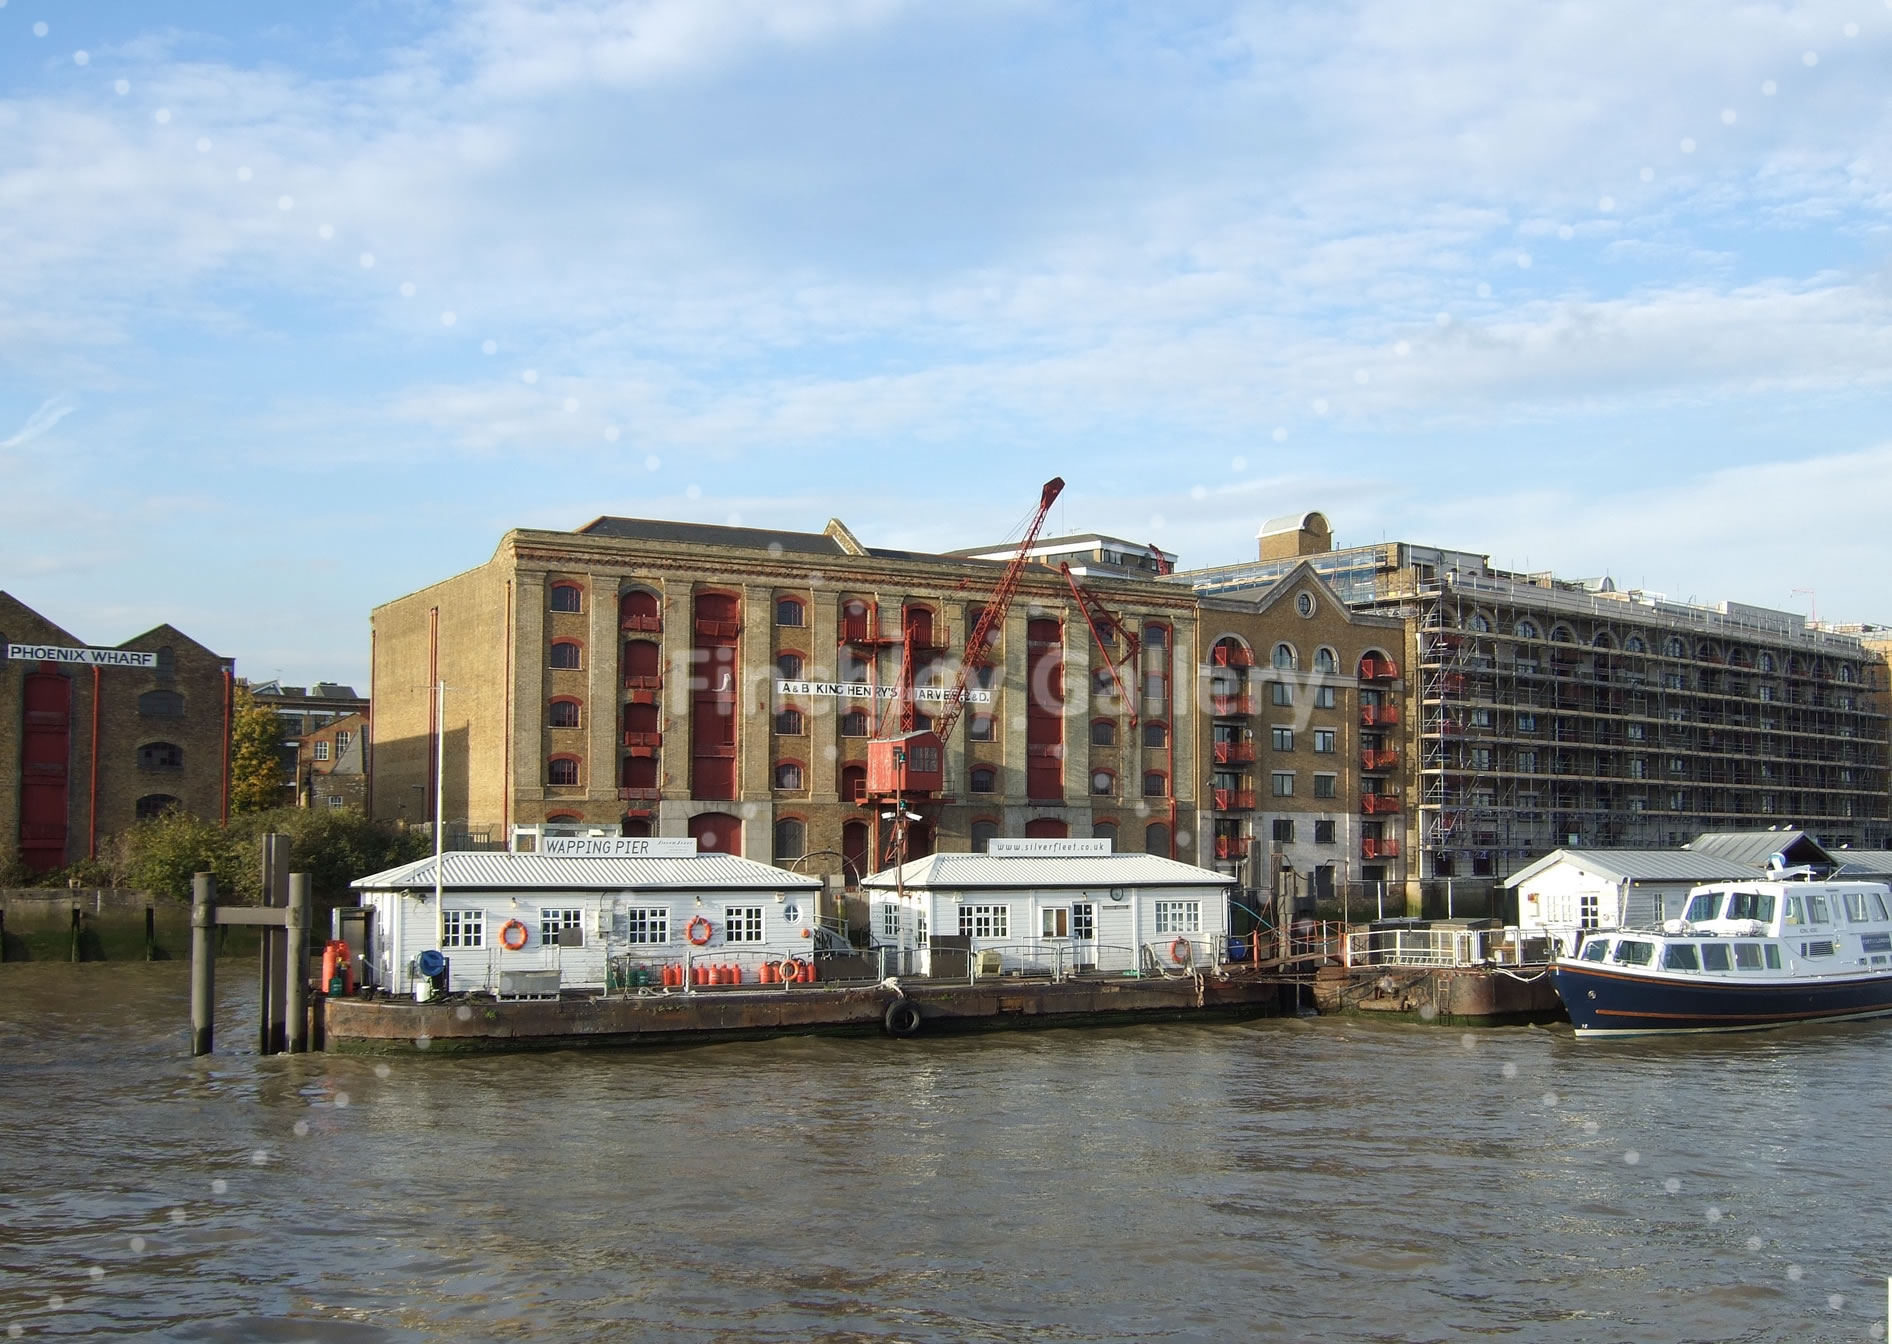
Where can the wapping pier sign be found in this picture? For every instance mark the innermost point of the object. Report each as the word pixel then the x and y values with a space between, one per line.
pixel 53 653
pixel 860 690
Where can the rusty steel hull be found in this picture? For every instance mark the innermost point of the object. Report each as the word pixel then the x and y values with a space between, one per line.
pixel 1447 995
pixel 391 1025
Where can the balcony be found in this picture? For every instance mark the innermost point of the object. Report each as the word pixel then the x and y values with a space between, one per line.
pixel 718 629
pixel 1234 800
pixel 1387 848
pixel 1381 669
pixel 650 624
pixel 634 681
pixel 1224 656
pixel 1234 753
pixel 1232 706
pixel 643 739
pixel 1230 847
pixel 1372 716
pixel 1377 804
pixel 637 795
pixel 1384 759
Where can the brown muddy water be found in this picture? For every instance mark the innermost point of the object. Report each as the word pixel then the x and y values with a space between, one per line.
pixel 1301 1179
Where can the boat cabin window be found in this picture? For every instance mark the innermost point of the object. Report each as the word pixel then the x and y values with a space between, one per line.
pixel 1702 907
pixel 1796 910
pixel 1817 913
pixel 1878 905
pixel 1632 953
pixel 1680 957
pixel 1751 905
pixel 1714 956
pixel 1595 950
pixel 1862 906
pixel 1773 955
pixel 1747 956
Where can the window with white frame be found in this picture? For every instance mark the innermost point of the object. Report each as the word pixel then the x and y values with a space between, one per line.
pixel 321 751
pixel 1324 741
pixel 1179 916
pixel 1323 697
pixel 890 921
pixel 985 921
pixel 647 924
pixel 742 924
pixel 463 928
pixel 336 800
pixel 919 926
pixel 554 922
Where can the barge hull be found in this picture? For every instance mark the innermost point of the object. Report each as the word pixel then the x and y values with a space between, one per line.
pixel 1611 1003
pixel 652 1019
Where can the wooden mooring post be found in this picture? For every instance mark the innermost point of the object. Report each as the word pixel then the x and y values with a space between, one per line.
pixel 282 982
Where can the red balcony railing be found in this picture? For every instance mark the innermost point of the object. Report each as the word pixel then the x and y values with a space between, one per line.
pixel 1376 803
pixel 1231 705
pixel 643 739
pixel 650 682
pixel 633 795
pixel 1387 848
pixel 1234 800
pixel 1372 716
pixel 1234 753
pixel 1224 656
pixel 650 623
pixel 1230 847
pixel 1378 669
pixel 1383 759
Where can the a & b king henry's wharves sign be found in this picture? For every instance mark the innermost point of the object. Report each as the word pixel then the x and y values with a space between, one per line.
pixel 53 653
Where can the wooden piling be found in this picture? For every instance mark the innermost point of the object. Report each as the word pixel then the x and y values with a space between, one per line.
pixel 77 916
pixel 296 966
pixel 271 981
pixel 203 961
pixel 151 933
pixel 3 935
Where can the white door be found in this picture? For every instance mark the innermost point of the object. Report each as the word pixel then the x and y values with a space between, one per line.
pixel 1054 936
pixel 1084 936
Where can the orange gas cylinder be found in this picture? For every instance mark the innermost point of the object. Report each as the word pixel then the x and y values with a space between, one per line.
pixel 767 974
pixel 735 974
pixel 808 970
pixel 337 962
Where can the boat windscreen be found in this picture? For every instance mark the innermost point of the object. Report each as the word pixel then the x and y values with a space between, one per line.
pixel 1595 951
pixel 1751 905
pixel 1632 953
pixel 1702 907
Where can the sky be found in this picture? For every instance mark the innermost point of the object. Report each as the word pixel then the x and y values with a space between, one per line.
pixel 301 307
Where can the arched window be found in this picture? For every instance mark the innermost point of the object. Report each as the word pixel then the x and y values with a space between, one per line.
pixel 167 663
pixel 789 722
pixel 1103 783
pixel 981 728
pixel 1103 681
pixel 853 783
pixel 637 610
pixel 160 756
pixel 1635 644
pixel 557 818
pixel 1562 634
pixel 1285 657
pixel 1155 784
pixel 643 664
pixel 1848 674
pixel 1764 662
pixel 1155 636
pixel 918 622
pixel 1480 622
pixel 790 612
pixel 1156 838
pixel 634 827
pixel 791 839
pixel 1324 660
pixel 788 775
pixel 1047 828
pixel 983 834
pixel 641 719
pixel 567 597
pixel 1526 629
pixel 983 779
pixel 854 723
pixel 1156 734
pixel 1105 830
pixel 717 833
pixel 564 714
pixel 854 618
pixel 1103 733
pixel 161 705
pixel 1603 640
pixel 788 666
pixel 567 653
pixel 562 772
pixel 1675 648
pixel 154 805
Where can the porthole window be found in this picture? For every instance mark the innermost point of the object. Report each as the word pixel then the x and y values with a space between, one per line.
pixel 1304 603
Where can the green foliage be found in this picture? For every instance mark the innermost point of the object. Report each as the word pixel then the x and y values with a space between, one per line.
pixel 13 870
pixel 256 782
pixel 334 846
pixel 162 854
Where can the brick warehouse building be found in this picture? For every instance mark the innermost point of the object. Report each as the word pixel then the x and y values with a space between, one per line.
pixel 632 673
pixel 93 740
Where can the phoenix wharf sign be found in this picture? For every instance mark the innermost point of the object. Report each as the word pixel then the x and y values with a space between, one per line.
pixel 54 653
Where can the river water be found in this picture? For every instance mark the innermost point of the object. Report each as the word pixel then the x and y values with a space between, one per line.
pixel 1296 1179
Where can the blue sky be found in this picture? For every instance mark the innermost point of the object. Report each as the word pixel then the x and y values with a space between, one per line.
pixel 302 307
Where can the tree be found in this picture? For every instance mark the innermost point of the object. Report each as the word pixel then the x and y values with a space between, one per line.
pixel 162 854
pixel 255 754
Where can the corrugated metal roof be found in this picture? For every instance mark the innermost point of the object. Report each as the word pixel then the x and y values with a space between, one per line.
pixel 1640 865
pixel 1863 862
pixel 1754 847
pixel 1073 870
pixel 489 870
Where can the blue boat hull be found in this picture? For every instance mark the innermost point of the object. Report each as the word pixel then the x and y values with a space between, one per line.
pixel 1604 1001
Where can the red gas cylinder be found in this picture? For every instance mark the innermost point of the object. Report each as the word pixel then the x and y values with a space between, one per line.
pixel 767 973
pixel 338 968
pixel 808 970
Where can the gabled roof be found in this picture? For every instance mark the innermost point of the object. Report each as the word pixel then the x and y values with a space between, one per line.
pixel 1639 865
pixel 502 870
pixel 1863 862
pixel 1100 871
pixel 1754 848
pixel 750 538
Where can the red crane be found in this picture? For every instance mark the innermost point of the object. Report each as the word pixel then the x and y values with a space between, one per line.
pixel 1100 618
pixel 913 763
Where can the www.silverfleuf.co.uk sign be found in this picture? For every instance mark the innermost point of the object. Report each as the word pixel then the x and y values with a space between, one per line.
pixel 53 653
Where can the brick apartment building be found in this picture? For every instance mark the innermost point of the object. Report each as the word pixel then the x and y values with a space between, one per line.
pixel 94 739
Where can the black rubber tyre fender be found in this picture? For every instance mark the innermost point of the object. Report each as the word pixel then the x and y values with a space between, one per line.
pixel 902 1018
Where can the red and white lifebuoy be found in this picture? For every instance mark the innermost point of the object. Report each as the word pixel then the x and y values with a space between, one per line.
pixel 1181 952
pixel 698 930
pixel 507 934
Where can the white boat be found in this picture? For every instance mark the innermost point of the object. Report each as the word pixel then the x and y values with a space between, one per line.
pixel 1745 956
